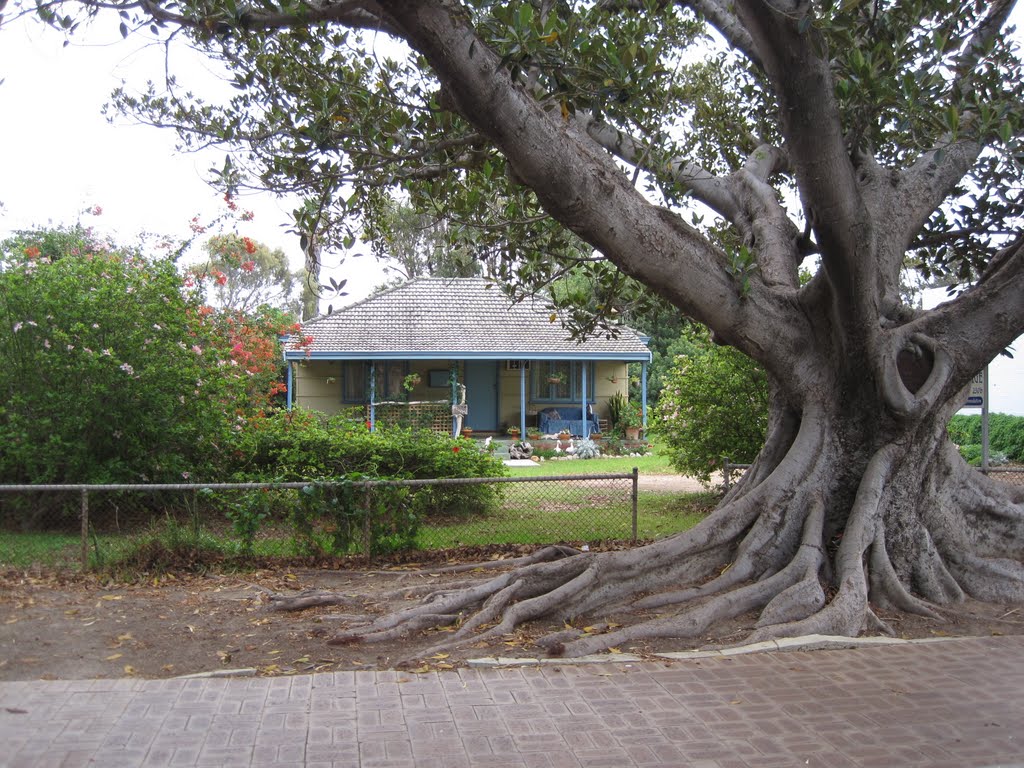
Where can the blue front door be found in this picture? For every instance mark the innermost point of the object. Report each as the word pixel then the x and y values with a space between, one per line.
pixel 482 395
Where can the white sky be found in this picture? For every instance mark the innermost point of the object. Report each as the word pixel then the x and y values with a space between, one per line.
pixel 61 156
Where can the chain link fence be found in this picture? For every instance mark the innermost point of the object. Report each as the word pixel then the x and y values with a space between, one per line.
pixel 1013 475
pixel 100 525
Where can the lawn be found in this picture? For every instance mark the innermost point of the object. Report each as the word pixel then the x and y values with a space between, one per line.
pixel 654 463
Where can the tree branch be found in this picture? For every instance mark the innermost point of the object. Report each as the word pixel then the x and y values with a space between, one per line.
pixel 810 122
pixel 982 321
pixel 706 187
pixel 722 18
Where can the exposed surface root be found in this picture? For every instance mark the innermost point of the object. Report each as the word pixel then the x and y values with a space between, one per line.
pixel 540 556
pixel 810 553
pixel 305 600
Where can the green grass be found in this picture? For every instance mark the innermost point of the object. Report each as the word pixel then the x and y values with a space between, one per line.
pixel 50 550
pixel 654 463
pixel 658 515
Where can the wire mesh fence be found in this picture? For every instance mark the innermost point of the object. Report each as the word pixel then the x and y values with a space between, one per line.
pixel 1011 475
pixel 99 525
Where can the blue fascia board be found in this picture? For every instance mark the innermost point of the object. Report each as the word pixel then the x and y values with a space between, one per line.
pixel 639 357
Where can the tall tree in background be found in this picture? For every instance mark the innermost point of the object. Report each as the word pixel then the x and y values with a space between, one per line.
pixel 410 244
pixel 246 275
pixel 863 134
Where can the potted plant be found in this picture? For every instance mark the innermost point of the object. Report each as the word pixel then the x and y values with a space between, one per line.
pixel 513 432
pixel 556 378
pixel 467 431
pixel 564 435
pixel 631 421
pixel 532 433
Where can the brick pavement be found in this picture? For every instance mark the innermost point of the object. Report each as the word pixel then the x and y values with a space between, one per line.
pixel 957 703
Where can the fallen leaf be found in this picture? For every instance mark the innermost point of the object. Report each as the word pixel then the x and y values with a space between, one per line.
pixel 112 597
pixel 12 620
pixel 167 667
pixel 125 637
pixel 736 701
pixel 614 650
pixel 224 657
pixel 16 711
pixel 440 656
pixel 129 669
pixel 421 670
pixel 114 656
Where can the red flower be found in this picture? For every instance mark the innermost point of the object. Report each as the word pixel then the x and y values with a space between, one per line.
pixel 250 246
pixel 248 266
pixel 368 425
pixel 32 251
pixel 456 448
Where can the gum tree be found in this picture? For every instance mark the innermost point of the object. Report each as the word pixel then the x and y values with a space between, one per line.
pixel 851 138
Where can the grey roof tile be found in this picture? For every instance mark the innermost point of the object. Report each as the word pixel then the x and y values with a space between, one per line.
pixel 454 317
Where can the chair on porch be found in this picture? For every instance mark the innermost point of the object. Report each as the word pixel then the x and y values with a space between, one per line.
pixel 550 421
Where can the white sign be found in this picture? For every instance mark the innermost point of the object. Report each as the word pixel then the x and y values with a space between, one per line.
pixel 976 394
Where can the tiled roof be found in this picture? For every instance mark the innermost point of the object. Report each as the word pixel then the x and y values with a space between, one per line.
pixel 451 317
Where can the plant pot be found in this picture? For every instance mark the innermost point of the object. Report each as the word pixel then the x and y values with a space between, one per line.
pixel 632 433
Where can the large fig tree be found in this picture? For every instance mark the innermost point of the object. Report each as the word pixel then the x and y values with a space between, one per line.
pixel 701 151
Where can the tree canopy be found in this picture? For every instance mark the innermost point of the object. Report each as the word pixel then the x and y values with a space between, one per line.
pixel 699 151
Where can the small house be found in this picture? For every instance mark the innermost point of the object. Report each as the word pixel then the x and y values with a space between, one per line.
pixel 451 353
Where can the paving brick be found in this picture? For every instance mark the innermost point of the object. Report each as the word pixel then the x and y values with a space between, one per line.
pixel 945 704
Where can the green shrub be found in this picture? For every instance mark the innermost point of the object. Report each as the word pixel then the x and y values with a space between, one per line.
pixel 301 445
pixel 715 404
pixel 1005 434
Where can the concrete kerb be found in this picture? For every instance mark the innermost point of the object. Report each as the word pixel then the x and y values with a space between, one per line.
pixel 803 643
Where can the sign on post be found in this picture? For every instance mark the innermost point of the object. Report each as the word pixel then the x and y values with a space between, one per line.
pixel 976 395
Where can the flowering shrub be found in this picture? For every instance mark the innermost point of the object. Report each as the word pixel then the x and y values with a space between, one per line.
pixel 714 404
pixel 96 364
pixel 114 370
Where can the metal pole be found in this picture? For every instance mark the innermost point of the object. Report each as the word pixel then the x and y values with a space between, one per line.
pixel 583 413
pixel 367 511
pixel 636 486
pixel 984 421
pixel 522 399
pixel 85 530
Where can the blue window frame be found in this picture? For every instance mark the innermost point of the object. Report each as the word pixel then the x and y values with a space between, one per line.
pixel 560 381
pixel 355 378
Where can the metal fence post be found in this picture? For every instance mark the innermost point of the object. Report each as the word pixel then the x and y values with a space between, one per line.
pixel 367 511
pixel 85 530
pixel 635 498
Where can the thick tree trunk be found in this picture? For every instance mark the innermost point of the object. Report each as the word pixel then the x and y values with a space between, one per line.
pixel 844 514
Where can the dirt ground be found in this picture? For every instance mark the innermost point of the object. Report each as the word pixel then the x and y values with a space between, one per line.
pixel 64 627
